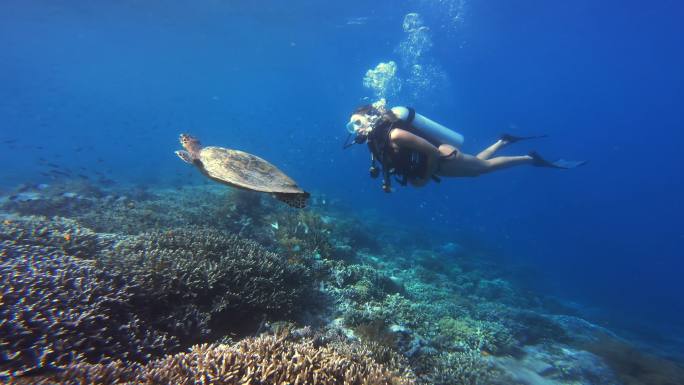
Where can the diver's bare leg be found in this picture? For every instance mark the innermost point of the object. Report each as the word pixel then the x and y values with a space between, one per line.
pixel 501 162
pixel 489 151
pixel 468 165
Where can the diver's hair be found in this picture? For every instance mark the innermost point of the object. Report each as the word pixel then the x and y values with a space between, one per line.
pixel 368 109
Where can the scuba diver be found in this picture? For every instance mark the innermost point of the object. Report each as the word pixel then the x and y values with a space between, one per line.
pixel 415 149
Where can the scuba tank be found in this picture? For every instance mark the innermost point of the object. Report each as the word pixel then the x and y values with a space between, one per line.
pixel 428 129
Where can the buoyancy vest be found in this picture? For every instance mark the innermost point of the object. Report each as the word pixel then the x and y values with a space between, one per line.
pixel 403 163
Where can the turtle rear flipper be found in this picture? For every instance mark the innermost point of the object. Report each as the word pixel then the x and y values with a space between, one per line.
pixel 296 200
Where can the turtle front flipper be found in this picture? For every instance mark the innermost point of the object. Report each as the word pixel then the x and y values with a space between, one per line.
pixel 185 156
pixel 296 200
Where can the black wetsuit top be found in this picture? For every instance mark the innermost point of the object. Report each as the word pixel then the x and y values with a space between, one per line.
pixel 404 163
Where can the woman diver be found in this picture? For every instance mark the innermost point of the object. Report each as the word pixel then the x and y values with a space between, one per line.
pixel 416 149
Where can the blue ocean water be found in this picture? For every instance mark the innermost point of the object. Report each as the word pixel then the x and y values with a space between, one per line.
pixel 108 86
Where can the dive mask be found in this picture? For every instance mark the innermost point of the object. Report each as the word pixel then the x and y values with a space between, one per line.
pixel 359 130
pixel 354 125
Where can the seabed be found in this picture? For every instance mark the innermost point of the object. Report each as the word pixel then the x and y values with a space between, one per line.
pixel 209 285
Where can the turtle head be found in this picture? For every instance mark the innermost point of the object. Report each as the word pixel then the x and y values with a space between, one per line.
pixel 191 145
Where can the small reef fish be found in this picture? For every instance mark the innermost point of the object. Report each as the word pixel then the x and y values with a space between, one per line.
pixel 357 20
pixel 106 181
pixel 58 172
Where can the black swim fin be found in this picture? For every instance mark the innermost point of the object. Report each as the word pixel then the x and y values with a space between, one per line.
pixel 508 138
pixel 538 161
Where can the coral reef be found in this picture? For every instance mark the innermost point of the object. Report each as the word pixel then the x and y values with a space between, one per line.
pixel 199 280
pixel 63 199
pixel 134 210
pixel 56 309
pixel 302 233
pixel 54 234
pixel 120 212
pixel 462 367
pixel 261 360
pixel 477 335
pixel 103 281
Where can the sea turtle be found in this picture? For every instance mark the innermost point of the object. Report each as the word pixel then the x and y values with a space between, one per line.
pixel 242 170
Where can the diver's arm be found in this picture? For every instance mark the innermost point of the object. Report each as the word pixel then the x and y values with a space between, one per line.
pixel 403 138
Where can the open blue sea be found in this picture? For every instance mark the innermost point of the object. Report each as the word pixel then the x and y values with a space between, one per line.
pixel 94 94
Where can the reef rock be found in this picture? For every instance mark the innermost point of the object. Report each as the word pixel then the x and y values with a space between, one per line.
pixel 555 365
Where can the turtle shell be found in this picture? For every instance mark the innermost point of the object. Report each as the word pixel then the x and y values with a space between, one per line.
pixel 247 171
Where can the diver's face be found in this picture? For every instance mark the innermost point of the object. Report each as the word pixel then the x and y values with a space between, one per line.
pixel 359 124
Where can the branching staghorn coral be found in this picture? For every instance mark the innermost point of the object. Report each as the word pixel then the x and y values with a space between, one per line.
pixel 227 279
pixel 302 233
pixel 52 234
pixel 478 335
pixel 261 360
pixel 463 368
pixel 56 309
pixel 131 211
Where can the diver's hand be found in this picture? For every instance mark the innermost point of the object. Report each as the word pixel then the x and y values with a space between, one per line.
pixel 447 151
